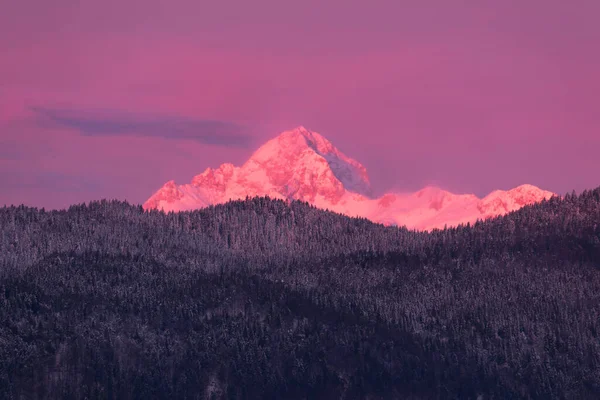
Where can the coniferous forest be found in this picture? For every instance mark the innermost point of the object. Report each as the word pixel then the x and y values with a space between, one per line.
pixel 267 299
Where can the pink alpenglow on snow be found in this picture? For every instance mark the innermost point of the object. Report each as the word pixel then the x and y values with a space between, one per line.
pixel 303 165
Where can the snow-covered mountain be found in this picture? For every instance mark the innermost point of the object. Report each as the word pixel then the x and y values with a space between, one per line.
pixel 303 165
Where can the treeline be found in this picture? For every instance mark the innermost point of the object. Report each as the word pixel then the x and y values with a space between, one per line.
pixel 265 299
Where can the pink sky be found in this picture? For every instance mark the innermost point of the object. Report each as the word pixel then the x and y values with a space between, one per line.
pixel 470 96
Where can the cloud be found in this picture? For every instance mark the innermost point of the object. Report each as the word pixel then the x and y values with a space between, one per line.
pixel 118 123
pixel 55 181
pixel 10 151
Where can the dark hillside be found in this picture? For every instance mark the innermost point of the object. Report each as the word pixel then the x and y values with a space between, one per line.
pixel 263 299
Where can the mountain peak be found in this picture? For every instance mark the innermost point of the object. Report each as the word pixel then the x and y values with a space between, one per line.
pixel 302 164
pixel 312 139
pixel 300 129
pixel 297 140
pixel 306 155
pixel 503 201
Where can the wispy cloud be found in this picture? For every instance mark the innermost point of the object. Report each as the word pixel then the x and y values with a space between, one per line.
pixel 10 151
pixel 55 181
pixel 118 123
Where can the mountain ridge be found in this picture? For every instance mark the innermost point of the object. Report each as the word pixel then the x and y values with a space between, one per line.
pixel 300 164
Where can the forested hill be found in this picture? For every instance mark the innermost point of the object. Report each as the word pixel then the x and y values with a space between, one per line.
pixel 265 299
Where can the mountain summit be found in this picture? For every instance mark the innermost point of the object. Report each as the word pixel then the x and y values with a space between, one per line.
pixel 303 165
pixel 302 159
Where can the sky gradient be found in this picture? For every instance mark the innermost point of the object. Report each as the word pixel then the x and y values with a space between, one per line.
pixel 111 99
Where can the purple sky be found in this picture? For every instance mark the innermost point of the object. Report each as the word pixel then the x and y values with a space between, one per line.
pixel 110 99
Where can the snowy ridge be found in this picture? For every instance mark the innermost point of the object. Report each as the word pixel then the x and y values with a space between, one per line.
pixel 303 165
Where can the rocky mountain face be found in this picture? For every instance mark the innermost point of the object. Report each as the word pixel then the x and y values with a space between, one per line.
pixel 303 165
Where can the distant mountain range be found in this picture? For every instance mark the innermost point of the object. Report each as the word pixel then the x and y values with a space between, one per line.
pixel 303 165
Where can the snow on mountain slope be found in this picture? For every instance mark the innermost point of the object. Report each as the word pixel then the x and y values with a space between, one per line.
pixel 303 165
